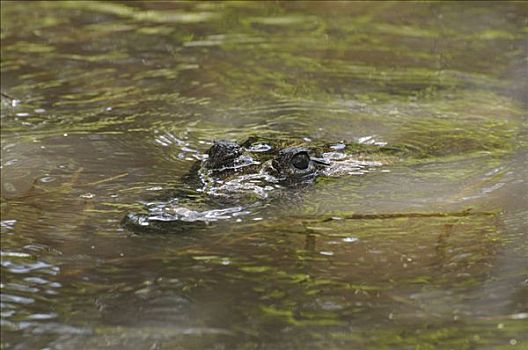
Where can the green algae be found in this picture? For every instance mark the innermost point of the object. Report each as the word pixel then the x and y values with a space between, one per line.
pixel 409 255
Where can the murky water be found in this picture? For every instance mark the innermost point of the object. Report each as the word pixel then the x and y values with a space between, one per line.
pixel 117 101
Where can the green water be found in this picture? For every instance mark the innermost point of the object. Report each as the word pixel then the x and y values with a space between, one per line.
pixel 427 251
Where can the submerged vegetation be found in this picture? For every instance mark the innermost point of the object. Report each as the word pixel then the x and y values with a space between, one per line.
pixel 107 106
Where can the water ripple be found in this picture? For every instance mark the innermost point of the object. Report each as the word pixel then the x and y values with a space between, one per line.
pixel 9 298
pixel 173 212
pixel 29 267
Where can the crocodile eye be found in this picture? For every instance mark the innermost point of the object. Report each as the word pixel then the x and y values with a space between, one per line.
pixel 301 160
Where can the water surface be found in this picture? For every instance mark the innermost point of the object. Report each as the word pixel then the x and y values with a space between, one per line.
pixel 117 101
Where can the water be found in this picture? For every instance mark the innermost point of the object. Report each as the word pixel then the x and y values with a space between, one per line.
pixel 116 102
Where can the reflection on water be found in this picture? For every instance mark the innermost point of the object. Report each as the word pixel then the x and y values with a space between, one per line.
pixel 115 103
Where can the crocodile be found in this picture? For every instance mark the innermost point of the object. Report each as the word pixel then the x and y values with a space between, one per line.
pixel 236 179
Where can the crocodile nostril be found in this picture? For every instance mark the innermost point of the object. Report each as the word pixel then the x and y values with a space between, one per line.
pixel 222 153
